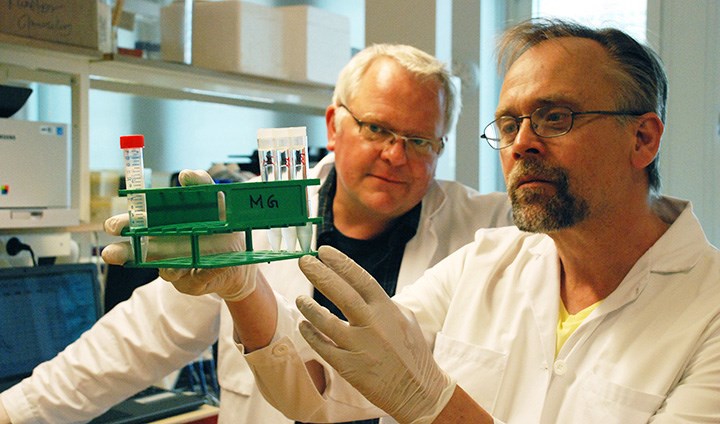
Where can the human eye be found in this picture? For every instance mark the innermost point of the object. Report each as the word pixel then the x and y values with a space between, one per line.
pixel 373 132
pixel 421 144
pixel 556 117
pixel 507 126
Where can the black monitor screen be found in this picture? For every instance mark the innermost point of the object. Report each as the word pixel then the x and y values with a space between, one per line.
pixel 42 310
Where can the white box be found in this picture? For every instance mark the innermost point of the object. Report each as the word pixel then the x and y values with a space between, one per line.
pixel 237 36
pixel 175 37
pixel 35 175
pixel 316 44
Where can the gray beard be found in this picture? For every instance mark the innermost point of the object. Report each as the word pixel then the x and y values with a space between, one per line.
pixel 536 211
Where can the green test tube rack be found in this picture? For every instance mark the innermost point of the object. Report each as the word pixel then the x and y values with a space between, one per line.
pixel 194 212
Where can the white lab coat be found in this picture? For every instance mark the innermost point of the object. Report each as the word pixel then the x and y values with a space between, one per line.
pixel 159 329
pixel 649 352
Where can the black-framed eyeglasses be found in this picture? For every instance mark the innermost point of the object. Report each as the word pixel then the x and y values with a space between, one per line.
pixel 381 137
pixel 547 121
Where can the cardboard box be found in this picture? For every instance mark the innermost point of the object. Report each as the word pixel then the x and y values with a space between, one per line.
pixel 82 23
pixel 316 44
pixel 175 37
pixel 237 36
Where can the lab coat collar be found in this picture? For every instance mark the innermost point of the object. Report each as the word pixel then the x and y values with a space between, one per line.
pixel 420 250
pixel 433 201
pixel 323 167
pixel 676 251
pixel 679 249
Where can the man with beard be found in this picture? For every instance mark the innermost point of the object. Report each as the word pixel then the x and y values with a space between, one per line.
pixel 602 306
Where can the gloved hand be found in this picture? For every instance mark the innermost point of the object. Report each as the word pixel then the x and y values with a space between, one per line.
pixel 382 351
pixel 231 283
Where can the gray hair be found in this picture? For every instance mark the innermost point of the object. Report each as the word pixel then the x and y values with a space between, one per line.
pixel 642 82
pixel 424 66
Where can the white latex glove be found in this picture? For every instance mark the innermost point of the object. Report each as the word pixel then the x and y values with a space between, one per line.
pixel 231 283
pixel 380 350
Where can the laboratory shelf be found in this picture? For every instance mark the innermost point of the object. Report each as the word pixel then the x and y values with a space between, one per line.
pixel 127 74
pixel 204 210
pixel 27 60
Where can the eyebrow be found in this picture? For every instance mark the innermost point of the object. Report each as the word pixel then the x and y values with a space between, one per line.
pixel 559 100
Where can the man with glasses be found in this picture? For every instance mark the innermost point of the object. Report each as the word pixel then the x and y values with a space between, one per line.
pixel 381 205
pixel 602 306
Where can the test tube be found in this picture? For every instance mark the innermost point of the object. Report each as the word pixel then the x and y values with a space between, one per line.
pixel 284 149
pixel 269 171
pixel 266 154
pixel 132 148
pixel 299 166
pixel 282 143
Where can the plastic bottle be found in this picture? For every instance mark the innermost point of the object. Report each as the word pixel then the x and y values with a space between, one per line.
pixel 147 29
pixel 132 148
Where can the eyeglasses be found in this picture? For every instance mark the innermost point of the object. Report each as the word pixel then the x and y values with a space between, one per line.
pixel 380 136
pixel 546 121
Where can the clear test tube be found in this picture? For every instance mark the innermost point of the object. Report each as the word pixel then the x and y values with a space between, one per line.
pixel 267 152
pixel 282 142
pixel 132 148
pixel 299 156
pixel 269 171
pixel 289 235
pixel 299 165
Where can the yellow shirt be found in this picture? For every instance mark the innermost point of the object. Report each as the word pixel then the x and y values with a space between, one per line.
pixel 567 323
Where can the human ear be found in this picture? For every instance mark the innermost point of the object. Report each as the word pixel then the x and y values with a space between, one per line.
pixel 648 131
pixel 330 124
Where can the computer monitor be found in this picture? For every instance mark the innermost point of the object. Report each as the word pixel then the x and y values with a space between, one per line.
pixel 42 310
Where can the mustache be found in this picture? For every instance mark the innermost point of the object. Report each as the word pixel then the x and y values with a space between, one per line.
pixel 533 169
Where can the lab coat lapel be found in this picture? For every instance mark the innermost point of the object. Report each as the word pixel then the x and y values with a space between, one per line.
pixel 422 248
pixel 542 287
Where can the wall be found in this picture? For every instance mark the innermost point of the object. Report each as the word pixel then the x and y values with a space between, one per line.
pixel 687 36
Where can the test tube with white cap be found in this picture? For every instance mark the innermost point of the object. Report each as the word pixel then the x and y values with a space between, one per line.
pixel 299 167
pixel 132 148
pixel 284 150
pixel 269 171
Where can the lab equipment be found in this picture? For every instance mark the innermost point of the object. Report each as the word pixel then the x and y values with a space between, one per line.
pixel 193 212
pixel 35 175
pixel 65 301
pixel 299 166
pixel 132 148
pixel 284 154
pixel 269 171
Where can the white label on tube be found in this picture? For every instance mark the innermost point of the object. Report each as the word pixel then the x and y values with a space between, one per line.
pixel 135 179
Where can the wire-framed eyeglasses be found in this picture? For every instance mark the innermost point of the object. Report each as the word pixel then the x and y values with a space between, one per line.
pixel 381 137
pixel 547 121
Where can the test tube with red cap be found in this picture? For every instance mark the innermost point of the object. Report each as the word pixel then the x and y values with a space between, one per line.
pixel 132 148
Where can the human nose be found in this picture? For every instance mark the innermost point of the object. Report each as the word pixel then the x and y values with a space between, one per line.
pixel 394 149
pixel 526 140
